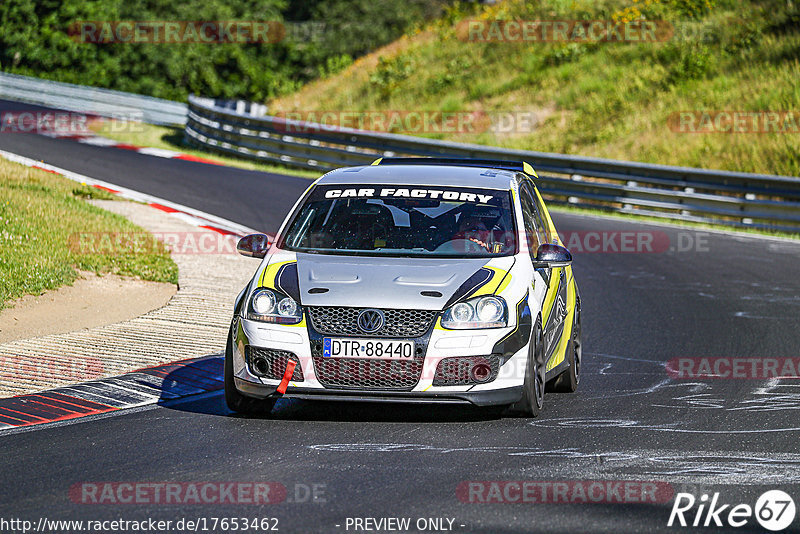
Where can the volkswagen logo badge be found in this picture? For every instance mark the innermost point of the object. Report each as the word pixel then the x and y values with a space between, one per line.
pixel 370 321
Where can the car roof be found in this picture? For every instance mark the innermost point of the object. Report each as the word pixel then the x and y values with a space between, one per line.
pixel 432 175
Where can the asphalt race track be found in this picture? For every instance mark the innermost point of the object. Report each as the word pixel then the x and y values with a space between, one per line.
pixel 198 185
pixel 700 295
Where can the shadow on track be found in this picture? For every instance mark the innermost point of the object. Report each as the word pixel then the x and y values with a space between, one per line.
pixel 204 378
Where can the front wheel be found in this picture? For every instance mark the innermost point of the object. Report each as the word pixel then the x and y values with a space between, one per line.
pixel 233 398
pixel 533 388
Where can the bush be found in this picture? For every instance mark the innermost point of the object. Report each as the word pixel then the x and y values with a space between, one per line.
pixel 693 9
pixel 564 54
pixel 335 64
pixel 687 61
pixel 390 73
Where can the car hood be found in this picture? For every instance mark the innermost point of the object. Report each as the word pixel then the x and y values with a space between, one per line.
pixel 385 282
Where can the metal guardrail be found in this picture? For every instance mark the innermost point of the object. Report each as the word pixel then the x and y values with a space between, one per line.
pixel 243 129
pixel 684 193
pixel 91 100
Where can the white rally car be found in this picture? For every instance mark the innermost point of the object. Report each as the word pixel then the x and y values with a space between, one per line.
pixel 409 280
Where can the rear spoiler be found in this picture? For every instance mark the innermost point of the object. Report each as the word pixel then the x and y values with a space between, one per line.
pixel 516 166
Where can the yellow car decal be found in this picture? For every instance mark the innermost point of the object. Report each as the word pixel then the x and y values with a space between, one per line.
pixel 270 272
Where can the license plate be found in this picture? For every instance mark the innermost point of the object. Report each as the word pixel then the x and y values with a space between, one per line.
pixel 378 349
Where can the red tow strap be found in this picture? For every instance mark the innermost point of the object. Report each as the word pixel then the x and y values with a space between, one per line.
pixel 287 375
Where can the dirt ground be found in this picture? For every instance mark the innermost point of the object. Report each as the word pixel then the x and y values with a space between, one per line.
pixel 91 301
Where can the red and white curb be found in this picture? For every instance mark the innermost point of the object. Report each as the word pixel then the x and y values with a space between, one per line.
pixel 146 386
pixel 96 140
pixel 143 387
pixel 192 216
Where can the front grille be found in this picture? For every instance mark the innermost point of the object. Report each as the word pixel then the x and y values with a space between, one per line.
pixel 362 373
pixel 277 360
pixel 456 371
pixel 342 321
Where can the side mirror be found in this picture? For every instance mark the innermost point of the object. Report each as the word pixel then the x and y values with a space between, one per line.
pixel 253 245
pixel 549 256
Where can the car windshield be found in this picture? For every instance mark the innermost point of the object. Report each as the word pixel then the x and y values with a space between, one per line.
pixel 403 220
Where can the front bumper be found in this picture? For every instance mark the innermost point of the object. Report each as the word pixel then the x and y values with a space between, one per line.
pixel 504 389
pixel 492 397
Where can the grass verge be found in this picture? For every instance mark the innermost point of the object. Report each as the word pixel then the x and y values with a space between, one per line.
pixel 39 211
pixel 614 100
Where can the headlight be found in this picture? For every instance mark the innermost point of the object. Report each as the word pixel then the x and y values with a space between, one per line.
pixel 263 302
pixel 490 310
pixel 287 307
pixel 481 312
pixel 270 306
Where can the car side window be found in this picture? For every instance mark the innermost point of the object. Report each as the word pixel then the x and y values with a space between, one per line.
pixel 528 214
pixel 539 220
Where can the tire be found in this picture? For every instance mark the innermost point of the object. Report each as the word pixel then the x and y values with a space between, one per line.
pixel 233 398
pixel 530 405
pixel 567 382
